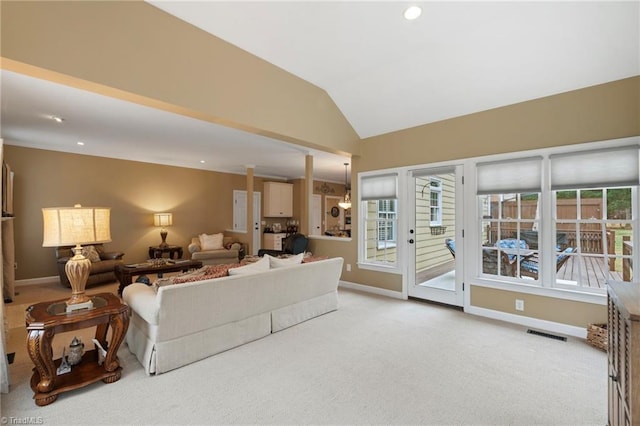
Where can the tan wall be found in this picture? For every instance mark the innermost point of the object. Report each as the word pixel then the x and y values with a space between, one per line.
pixel 132 50
pixel 597 113
pixel 200 201
pixel 563 311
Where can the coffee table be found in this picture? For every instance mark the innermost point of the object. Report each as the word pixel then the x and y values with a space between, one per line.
pixel 125 272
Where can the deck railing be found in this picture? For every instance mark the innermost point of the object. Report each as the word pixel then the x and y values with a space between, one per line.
pixel 627 263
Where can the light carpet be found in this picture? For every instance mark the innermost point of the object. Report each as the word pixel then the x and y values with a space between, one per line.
pixel 374 361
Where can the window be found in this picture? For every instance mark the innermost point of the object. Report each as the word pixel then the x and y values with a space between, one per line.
pixel 435 202
pixel 509 206
pixel 575 232
pixel 594 230
pixel 381 218
pixel 509 228
pixel 379 211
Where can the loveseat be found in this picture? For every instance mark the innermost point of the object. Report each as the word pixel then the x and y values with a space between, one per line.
pixel 220 250
pixel 103 264
pixel 174 325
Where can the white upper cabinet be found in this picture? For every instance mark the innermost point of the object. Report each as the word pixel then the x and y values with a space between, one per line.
pixel 278 199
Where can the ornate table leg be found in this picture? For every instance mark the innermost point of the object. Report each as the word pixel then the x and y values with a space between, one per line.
pixel 39 348
pixel 119 324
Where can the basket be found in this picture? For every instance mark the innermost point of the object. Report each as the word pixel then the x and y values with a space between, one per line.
pixel 597 336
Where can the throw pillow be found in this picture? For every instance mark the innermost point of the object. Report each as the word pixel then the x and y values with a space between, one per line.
pixel 90 253
pixel 211 242
pixel 252 268
pixel 275 262
pixel 193 247
pixel 309 259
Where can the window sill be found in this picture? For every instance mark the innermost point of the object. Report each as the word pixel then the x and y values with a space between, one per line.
pixel 380 268
pixel 535 289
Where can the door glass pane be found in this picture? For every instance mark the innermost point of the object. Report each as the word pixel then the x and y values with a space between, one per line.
pixel 434 231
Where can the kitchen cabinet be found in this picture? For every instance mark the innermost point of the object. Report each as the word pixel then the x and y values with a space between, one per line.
pixel 278 199
pixel 273 241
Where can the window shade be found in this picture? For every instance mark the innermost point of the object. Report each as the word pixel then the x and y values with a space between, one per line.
pixel 380 187
pixel 503 177
pixel 595 169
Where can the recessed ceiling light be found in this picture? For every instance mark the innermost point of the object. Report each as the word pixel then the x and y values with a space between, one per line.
pixel 412 12
pixel 202 161
pixel 57 119
pixel 80 143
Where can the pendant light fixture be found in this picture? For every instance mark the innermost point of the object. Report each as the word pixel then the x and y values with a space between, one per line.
pixel 346 203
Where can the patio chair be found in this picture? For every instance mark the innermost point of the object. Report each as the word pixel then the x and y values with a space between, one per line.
pixel 531 266
pixel 490 263
pixel 451 245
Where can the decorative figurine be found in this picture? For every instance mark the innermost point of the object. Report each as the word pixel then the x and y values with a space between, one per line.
pixel 64 366
pixel 102 353
pixel 76 349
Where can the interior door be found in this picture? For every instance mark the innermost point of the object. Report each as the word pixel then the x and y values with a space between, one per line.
pixel 257 232
pixel 315 227
pixel 435 235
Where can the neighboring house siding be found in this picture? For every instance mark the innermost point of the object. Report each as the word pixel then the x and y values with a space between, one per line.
pixel 373 252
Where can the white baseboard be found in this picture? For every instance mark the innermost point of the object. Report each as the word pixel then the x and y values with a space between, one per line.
pixel 370 289
pixel 550 326
pixel 36 281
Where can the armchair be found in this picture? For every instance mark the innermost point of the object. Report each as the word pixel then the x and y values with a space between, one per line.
pixel 228 251
pixel 103 264
pixel 293 244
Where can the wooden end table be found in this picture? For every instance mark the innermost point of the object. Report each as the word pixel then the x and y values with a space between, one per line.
pixel 125 273
pixel 156 252
pixel 45 319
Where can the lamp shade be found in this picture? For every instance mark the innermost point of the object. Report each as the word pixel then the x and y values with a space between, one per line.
pixel 64 226
pixel 162 219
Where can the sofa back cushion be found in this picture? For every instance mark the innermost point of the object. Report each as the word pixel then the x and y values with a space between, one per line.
pixel 275 262
pixel 252 268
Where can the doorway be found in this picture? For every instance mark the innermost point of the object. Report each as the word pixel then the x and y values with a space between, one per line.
pixel 333 215
pixel 435 235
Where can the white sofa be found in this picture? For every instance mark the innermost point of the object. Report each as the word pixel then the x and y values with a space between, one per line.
pixel 184 323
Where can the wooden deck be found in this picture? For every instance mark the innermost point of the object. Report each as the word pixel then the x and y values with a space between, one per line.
pixel 596 275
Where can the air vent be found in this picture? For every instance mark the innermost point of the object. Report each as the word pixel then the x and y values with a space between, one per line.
pixel 549 335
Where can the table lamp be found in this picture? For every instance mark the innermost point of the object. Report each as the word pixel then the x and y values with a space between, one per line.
pixel 67 226
pixel 163 219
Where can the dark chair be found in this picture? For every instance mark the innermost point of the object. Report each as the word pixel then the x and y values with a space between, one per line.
pixel 293 244
pixel 490 263
pixel 451 245
pixel 531 266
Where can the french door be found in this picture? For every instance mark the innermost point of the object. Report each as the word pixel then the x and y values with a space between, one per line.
pixel 435 259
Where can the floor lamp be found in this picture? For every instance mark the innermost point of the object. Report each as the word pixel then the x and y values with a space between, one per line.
pixel 75 226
